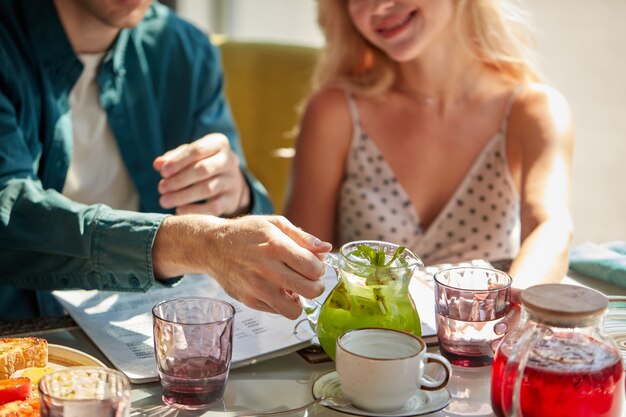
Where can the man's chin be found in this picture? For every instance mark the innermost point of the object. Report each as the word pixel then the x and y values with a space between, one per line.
pixel 127 23
pixel 131 3
pixel 126 14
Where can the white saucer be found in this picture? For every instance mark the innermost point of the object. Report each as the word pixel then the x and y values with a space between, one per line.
pixel 425 402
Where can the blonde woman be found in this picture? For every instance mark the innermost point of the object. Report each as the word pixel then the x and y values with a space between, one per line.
pixel 428 127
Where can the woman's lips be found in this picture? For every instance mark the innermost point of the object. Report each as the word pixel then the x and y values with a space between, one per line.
pixel 392 26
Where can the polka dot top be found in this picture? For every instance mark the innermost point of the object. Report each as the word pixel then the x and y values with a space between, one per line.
pixel 480 221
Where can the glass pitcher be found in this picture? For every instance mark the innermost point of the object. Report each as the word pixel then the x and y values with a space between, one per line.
pixel 557 362
pixel 371 290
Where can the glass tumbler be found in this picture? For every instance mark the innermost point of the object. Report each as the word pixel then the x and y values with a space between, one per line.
pixel 85 391
pixel 193 348
pixel 469 301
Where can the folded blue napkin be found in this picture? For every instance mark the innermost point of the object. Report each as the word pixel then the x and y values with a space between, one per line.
pixel 605 261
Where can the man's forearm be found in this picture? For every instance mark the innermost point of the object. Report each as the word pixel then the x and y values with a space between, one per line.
pixel 181 243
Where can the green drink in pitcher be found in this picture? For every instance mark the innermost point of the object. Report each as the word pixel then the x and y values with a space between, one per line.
pixel 372 291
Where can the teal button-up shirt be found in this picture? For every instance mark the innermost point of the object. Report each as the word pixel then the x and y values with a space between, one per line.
pixel 160 85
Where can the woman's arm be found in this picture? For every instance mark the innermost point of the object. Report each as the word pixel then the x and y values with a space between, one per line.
pixel 541 141
pixel 321 151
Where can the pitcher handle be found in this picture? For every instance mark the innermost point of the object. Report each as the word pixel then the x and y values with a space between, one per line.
pixel 515 367
pixel 312 306
pixel 332 260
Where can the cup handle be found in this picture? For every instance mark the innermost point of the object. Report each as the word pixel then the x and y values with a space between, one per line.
pixel 433 385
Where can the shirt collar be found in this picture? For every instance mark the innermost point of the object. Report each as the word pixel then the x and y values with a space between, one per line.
pixel 117 53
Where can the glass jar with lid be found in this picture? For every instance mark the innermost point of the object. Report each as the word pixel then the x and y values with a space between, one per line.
pixel 557 361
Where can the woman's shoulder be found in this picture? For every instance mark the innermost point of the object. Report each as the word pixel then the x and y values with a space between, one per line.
pixel 540 102
pixel 329 106
pixel 539 126
pixel 328 99
pixel 540 107
pixel 327 118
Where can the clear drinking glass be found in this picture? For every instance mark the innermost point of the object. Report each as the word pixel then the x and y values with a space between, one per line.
pixel 469 301
pixel 193 348
pixel 85 391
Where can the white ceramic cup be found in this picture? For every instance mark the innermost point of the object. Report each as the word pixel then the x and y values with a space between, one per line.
pixel 381 369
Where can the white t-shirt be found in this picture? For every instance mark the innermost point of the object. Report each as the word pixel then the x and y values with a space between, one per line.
pixel 97 173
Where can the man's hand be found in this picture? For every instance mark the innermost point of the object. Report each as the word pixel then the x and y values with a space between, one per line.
pixel 203 177
pixel 261 261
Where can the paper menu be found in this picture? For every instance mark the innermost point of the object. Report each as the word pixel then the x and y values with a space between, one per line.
pixel 423 295
pixel 120 324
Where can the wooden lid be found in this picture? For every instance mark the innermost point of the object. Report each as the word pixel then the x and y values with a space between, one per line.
pixel 564 301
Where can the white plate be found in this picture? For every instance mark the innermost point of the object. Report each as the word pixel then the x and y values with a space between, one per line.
pixel 328 385
pixel 61 357
pixel 64 356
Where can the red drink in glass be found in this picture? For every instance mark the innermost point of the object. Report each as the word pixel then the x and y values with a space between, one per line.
pixel 467 343
pixel 568 375
pixel 194 382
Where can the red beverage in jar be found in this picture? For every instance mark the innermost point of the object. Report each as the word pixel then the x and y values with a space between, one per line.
pixel 567 375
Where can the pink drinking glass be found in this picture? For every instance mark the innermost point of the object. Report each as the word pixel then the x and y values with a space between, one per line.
pixel 469 301
pixel 193 348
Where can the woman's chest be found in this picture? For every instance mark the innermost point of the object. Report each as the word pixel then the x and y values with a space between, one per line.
pixel 428 154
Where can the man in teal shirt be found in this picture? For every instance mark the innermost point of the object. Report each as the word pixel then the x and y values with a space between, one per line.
pixel 157 127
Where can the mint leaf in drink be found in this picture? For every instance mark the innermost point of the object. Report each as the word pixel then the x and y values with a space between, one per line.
pixel 366 254
pixel 395 256
pixel 377 271
pixel 377 258
pixel 380 257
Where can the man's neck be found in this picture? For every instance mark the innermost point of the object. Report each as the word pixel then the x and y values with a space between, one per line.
pixel 86 33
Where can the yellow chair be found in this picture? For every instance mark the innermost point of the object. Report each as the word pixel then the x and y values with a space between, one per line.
pixel 265 83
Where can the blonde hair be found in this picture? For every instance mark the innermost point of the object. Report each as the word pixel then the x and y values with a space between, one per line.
pixel 496 32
